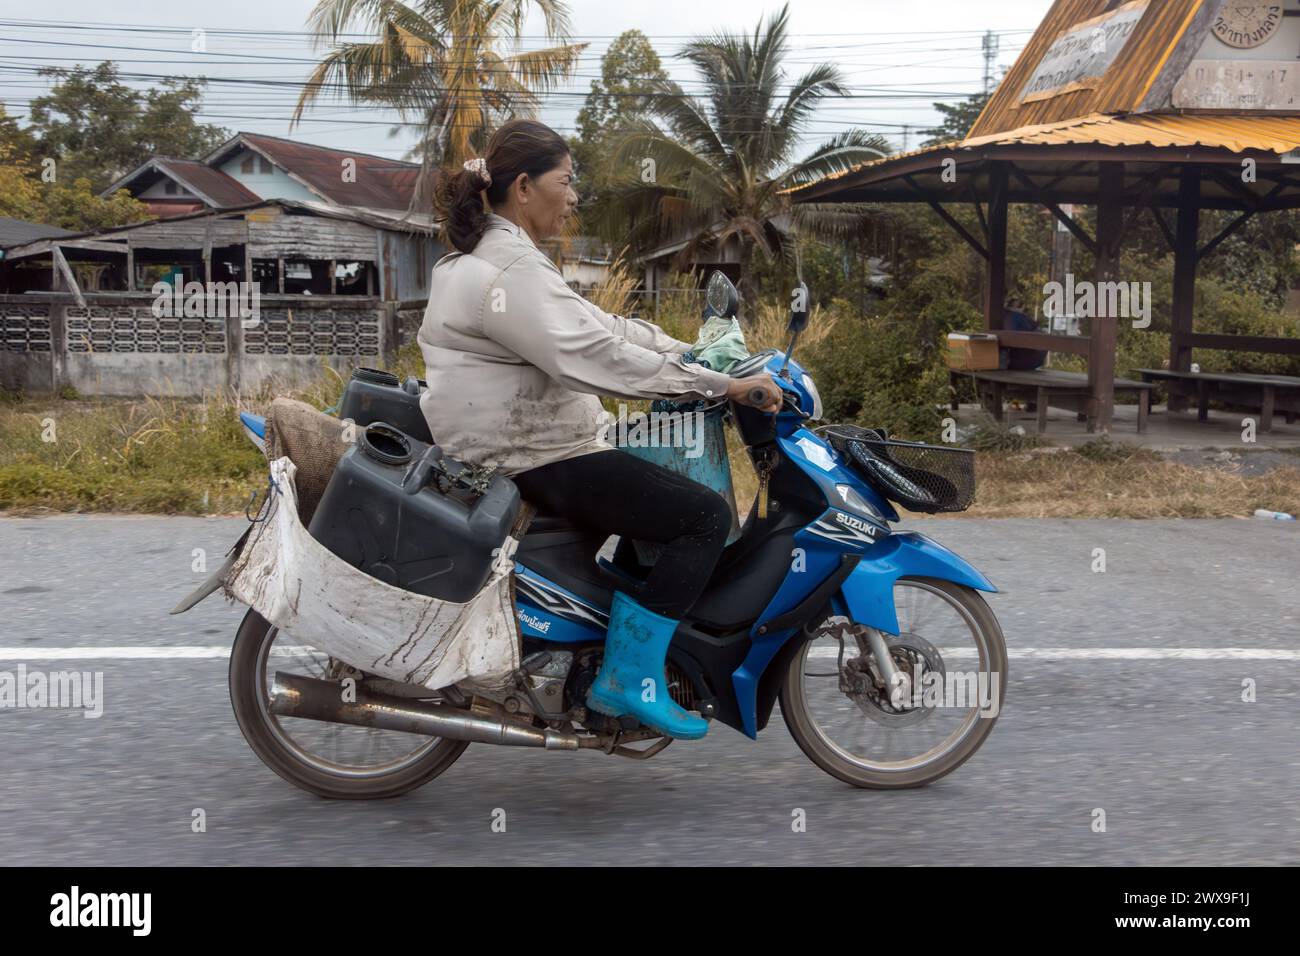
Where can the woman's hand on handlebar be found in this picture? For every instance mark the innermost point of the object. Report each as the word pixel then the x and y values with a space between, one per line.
pixel 757 391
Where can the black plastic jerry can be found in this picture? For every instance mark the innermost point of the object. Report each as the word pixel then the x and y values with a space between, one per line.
pixel 394 510
pixel 373 395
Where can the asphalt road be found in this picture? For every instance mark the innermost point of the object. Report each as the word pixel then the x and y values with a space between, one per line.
pixel 1186 771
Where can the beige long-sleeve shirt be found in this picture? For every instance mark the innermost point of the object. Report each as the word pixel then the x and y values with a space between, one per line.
pixel 515 358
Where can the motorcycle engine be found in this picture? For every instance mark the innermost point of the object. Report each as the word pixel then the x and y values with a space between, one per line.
pixel 554 683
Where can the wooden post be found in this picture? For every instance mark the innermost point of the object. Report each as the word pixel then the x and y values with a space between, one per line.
pixel 1103 328
pixel 280 261
pixel 995 291
pixel 207 255
pixel 235 351
pixel 1181 319
pixel 388 332
pixel 61 266
pixel 59 345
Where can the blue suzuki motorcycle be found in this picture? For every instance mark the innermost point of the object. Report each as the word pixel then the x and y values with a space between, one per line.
pixel 889 666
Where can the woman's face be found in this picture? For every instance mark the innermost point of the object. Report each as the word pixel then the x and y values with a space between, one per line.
pixel 549 200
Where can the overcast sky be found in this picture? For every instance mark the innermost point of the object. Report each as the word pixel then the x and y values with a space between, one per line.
pixel 898 56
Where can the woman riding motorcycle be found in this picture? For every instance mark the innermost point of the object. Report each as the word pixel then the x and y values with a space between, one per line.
pixel 515 360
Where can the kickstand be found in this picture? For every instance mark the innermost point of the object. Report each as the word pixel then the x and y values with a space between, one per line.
pixel 613 742
pixel 656 747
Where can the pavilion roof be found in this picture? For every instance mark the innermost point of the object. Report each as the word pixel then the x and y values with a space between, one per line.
pixel 1058 162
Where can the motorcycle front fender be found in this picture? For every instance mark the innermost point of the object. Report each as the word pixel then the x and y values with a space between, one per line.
pixel 867 595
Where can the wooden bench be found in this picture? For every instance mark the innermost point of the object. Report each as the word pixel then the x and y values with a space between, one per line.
pixel 1045 387
pixel 1268 393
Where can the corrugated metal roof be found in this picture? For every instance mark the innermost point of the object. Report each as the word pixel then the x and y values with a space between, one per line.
pixel 15 232
pixel 380 183
pixel 1152 55
pixel 211 184
pixel 1237 134
pixel 1272 134
pixel 392 220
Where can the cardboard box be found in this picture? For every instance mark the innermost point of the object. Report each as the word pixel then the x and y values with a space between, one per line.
pixel 972 351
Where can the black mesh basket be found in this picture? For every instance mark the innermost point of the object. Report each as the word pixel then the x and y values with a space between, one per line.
pixel 926 478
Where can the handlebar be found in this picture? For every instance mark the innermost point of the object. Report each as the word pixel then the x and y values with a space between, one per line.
pixel 757 395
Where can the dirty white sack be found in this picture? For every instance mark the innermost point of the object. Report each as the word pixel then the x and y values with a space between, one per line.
pixel 318 599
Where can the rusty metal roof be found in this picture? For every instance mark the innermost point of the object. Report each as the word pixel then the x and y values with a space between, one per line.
pixel 380 183
pixel 213 185
pixel 1152 56
pixel 1069 148
pixel 1271 134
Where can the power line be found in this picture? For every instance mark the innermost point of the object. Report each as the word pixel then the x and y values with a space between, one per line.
pixel 230 31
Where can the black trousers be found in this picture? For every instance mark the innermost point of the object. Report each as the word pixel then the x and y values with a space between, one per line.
pixel 612 492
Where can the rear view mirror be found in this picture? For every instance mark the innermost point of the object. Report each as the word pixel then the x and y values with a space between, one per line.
pixel 721 296
pixel 798 309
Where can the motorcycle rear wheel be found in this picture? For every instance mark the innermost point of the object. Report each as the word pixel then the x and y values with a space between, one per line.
pixel 297 764
pixel 797 708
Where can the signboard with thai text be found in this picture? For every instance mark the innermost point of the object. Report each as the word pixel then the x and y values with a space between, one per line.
pixel 1079 57
pixel 1239 85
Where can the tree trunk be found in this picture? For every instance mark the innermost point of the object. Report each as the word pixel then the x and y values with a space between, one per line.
pixel 748 285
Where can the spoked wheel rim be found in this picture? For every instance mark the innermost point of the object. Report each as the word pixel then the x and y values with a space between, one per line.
pixel 337 749
pixel 937 634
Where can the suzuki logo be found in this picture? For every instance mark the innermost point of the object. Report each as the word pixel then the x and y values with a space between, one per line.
pixel 857 524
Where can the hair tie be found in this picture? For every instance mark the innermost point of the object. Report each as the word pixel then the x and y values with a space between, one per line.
pixel 479 168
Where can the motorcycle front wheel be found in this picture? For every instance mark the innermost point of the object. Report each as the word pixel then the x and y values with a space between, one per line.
pixel 953 659
pixel 337 761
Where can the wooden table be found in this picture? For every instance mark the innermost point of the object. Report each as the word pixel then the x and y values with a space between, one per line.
pixel 1045 386
pixel 1236 388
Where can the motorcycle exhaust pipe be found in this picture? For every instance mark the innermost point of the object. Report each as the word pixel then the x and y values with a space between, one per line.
pixel 295 696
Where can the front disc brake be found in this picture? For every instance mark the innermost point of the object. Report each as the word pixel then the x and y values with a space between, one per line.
pixel 862 682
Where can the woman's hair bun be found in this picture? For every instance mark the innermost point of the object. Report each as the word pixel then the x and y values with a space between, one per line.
pixel 519 147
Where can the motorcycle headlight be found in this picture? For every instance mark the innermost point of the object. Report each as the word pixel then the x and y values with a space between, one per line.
pixel 812 390
pixel 855 502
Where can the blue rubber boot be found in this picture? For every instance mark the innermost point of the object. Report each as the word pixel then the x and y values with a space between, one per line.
pixel 632 680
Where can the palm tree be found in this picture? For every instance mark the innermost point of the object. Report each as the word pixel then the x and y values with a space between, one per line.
pixel 721 162
pixel 451 65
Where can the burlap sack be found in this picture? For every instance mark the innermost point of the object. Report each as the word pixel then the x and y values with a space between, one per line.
pixel 313 441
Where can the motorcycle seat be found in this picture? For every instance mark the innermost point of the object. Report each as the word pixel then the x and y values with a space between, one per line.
pixel 746 578
pixel 546 524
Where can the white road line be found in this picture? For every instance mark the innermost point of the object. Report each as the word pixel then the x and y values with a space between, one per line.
pixel 222 652
pixel 1115 653
pixel 128 653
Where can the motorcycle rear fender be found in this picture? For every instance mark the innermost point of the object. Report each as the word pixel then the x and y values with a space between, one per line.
pixel 867 595
pixel 214 581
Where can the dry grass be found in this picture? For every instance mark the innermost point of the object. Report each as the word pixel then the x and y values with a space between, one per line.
pixel 615 292
pixel 1140 485
pixel 767 328
pixel 1113 484
pixel 156 456
pixel 160 455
